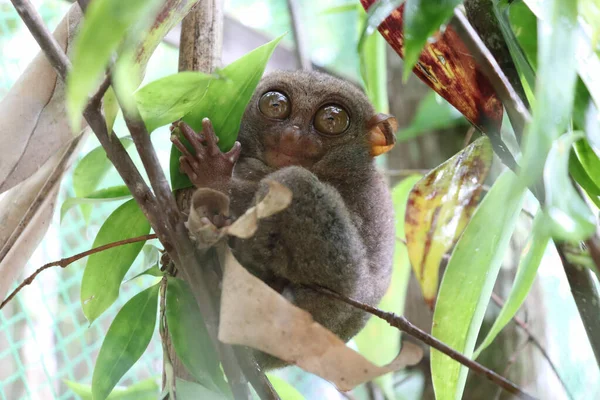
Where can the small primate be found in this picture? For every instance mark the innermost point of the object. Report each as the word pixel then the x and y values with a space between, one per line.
pixel 317 135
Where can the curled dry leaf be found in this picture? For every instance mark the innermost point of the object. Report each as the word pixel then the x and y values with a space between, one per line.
pixel 255 315
pixel 33 123
pixel 439 207
pixel 447 66
pixel 208 202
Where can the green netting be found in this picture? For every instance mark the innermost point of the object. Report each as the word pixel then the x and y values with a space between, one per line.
pixel 44 336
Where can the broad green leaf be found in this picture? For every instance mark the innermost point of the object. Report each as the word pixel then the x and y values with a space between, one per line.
pixel 378 341
pixel 439 207
pixel 90 171
pixel 572 219
pixel 524 25
pixel 152 271
pixel 104 271
pixel 150 264
pixel 423 18
pixel 105 25
pixel 113 193
pixel 432 114
pixel 555 85
pixel 225 102
pixel 531 257
pixel 284 389
pixel 125 342
pixel 193 391
pixel 469 279
pixel 590 11
pixel 168 99
pixel 190 337
pixel 144 390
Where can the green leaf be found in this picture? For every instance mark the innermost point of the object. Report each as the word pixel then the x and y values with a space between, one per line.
pixel 531 257
pixel 583 179
pixel 341 9
pixel 152 271
pixel 469 279
pixel 90 171
pixel 555 85
pixel 168 99
pixel 113 193
pixel 225 102
pixel 110 106
pixel 378 341
pixel 588 159
pixel 432 114
pixel 194 391
pixel 374 71
pixel 144 390
pixel 125 342
pixel 105 25
pixel 422 18
pixel 284 389
pixel 104 271
pixel 572 218
pixel 190 337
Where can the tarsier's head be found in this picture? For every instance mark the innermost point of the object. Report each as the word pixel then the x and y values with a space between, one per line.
pixel 312 119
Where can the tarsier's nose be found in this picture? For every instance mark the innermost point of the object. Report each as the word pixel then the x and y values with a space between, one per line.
pixel 291 135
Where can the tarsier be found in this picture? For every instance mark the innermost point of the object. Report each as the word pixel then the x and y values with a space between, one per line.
pixel 317 135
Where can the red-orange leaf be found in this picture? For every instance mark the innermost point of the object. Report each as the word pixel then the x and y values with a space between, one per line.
pixel 447 66
pixel 439 207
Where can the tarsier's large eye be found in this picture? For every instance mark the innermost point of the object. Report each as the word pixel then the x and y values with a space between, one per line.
pixel 331 120
pixel 274 105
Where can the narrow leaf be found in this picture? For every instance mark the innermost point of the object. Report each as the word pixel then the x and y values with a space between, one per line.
pixel 125 342
pixel 421 20
pixel 469 279
pixel 378 341
pixel 531 257
pixel 105 25
pixel 144 390
pixel 190 337
pixel 104 271
pixel 572 218
pixel 555 85
pixel 439 207
pixel 113 193
pixel 168 99
pixel 225 102
pixel 90 171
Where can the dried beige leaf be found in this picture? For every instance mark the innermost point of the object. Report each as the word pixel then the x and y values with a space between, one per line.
pixel 33 122
pixel 253 314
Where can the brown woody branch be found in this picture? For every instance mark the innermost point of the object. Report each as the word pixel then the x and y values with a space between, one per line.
pixel 175 240
pixel 70 260
pixel 406 326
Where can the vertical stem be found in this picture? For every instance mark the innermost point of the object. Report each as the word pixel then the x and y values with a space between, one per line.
pixel 302 49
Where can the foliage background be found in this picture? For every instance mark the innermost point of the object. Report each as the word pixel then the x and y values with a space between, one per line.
pixel 44 337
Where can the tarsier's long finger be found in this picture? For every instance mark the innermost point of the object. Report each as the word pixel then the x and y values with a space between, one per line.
pixel 187 168
pixel 234 153
pixel 179 144
pixel 192 137
pixel 211 138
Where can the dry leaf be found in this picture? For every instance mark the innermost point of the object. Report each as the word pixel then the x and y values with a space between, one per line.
pixel 33 123
pixel 439 207
pixel 253 314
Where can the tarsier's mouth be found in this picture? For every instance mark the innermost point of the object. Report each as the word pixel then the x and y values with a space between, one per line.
pixel 279 158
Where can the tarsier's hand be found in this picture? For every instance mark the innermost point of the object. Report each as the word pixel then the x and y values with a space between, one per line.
pixel 208 167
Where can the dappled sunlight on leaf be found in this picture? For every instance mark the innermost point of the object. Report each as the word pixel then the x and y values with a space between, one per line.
pixel 439 207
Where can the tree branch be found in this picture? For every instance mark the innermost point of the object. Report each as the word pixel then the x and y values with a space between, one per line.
pixel 406 326
pixel 69 260
pixel 301 48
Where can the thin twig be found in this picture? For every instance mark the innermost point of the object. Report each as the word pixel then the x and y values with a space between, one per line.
pixel 404 325
pixel 69 260
pixel 510 363
pixel 521 324
pixel 162 328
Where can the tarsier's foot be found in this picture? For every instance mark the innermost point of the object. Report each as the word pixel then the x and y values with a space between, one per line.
pixel 209 167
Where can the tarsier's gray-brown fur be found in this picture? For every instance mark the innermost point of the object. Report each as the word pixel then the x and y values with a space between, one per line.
pixel 338 231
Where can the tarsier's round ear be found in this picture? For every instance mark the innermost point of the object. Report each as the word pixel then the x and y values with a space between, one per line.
pixel 381 129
